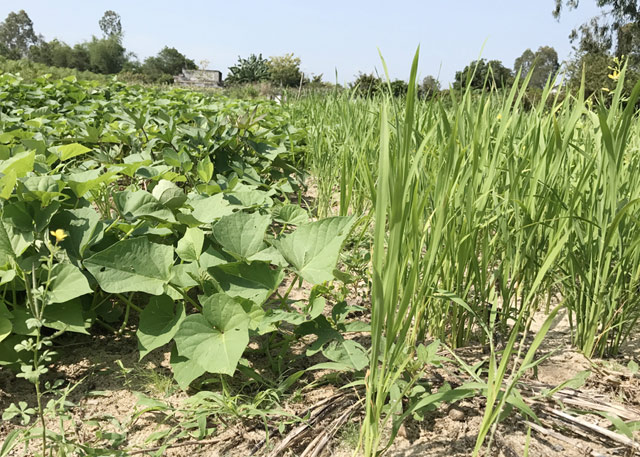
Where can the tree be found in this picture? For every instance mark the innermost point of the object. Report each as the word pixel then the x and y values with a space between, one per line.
pixel 399 88
pixel 80 58
pixel 616 32
pixel 165 65
pixel 429 87
pixel 366 84
pixel 17 35
pixel 249 70
pixel 598 35
pixel 543 63
pixel 285 70
pixel 628 43
pixel 55 53
pixel 477 72
pixel 106 55
pixel 110 24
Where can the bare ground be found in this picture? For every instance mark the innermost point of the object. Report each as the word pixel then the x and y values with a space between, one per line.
pixel 108 380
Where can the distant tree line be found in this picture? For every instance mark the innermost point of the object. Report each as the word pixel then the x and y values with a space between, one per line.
pixel 602 46
pixel 107 55
pixel 103 55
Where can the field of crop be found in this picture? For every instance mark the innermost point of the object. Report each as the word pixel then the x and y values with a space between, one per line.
pixel 185 274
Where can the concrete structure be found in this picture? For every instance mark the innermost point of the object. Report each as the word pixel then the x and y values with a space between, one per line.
pixel 199 78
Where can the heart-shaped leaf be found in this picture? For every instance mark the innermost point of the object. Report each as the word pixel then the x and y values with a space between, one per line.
pixel 313 249
pixel 255 281
pixel 241 234
pixel 133 205
pixel 290 215
pixel 159 322
pixel 68 283
pixel 190 245
pixel 133 265
pixel 215 339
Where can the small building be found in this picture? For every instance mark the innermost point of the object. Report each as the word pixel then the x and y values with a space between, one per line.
pixel 199 78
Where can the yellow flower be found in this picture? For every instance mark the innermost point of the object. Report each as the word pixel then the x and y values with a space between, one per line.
pixel 615 75
pixel 59 234
pixel 499 116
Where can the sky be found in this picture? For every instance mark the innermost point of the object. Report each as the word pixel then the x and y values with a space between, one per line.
pixel 329 36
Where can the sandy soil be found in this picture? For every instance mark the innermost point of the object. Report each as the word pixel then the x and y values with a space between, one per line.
pixel 109 377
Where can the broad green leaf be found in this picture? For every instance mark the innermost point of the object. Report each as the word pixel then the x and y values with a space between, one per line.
pixel 12 243
pixel 183 276
pixel 84 181
pixel 159 322
pixel 348 353
pixel 190 245
pixel 169 194
pixel 134 205
pixel 133 265
pixel 6 248
pixel 241 234
pixel 205 169
pixel 185 370
pixel 30 216
pixel 20 164
pixel 249 199
pixel 8 354
pixel 271 255
pixel 84 227
pixel 171 157
pixel 41 188
pixel 255 281
pixel 290 215
pixel 5 327
pixel 215 339
pixel 212 258
pixel 68 151
pixel 313 249
pixel 207 210
pixel 6 276
pixel 68 283
pixel 320 327
pixel 7 184
pixel 66 316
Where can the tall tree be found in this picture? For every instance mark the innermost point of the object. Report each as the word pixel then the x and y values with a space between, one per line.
pixel 55 52
pixel 17 35
pixel 479 71
pixel 430 87
pixel 110 24
pixel 285 70
pixel 106 55
pixel 544 63
pixel 166 64
pixel 599 34
pixel 367 84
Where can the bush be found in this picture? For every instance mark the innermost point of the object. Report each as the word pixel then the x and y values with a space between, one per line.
pixel 366 85
pixel 285 70
pixel 250 70
pixel 106 55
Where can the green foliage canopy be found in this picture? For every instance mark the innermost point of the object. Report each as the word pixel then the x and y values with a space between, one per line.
pixel 250 70
pixel 543 63
pixel 285 70
pixel 480 71
pixel 17 35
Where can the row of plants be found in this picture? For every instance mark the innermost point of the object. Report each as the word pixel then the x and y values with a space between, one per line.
pixel 486 212
pixel 172 210
pixel 183 215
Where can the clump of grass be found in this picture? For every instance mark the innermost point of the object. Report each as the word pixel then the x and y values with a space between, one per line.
pixel 487 209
